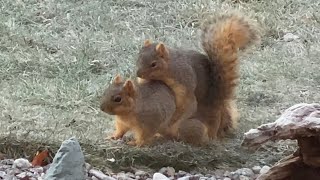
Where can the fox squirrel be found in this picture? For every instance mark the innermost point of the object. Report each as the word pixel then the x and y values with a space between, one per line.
pixel 141 106
pixel 203 84
pixel 146 107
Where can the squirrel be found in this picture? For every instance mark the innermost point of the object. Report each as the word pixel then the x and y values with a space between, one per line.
pixel 203 84
pixel 146 107
pixel 141 106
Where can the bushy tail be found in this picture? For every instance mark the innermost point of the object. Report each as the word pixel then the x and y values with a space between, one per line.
pixel 222 37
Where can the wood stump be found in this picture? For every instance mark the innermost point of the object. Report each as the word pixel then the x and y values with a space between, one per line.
pixel 300 122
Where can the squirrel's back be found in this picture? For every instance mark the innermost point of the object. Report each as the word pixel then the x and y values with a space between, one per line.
pixel 155 100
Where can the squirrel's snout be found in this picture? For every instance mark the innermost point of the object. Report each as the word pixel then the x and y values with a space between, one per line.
pixel 107 109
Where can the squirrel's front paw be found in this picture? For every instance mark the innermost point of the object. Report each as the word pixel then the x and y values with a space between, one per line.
pixel 114 137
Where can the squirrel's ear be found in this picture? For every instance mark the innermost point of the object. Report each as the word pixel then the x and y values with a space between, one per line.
pixel 147 43
pixel 161 49
pixel 129 88
pixel 117 79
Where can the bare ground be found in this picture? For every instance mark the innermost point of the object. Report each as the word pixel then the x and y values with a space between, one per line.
pixel 56 57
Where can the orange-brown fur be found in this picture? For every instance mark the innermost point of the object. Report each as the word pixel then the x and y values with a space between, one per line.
pixel 204 85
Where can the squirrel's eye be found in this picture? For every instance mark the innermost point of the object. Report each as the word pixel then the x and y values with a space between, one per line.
pixel 154 64
pixel 117 99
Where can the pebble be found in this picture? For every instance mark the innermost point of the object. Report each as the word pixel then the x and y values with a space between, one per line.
pixel 159 176
pixel 38 170
pixel 168 171
pixel 140 173
pixel 21 163
pixel 94 178
pixel 234 175
pixel 121 175
pixel 131 175
pixel 242 177
pixel 212 178
pixel 256 169
pixel 264 169
pixel 181 173
pixel 184 178
pixel 245 171
pixel 227 174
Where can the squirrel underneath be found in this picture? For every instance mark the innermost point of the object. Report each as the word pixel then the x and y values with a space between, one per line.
pixel 137 108
pixel 146 108
pixel 203 84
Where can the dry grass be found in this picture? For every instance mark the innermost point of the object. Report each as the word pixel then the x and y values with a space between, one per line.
pixel 57 56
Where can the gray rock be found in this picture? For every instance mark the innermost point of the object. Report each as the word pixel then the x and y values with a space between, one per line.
pixel 21 163
pixel 264 169
pixel 245 171
pixel 234 175
pixel 256 169
pixel 22 175
pixel 68 162
pixel 2 174
pixel 184 178
pixel 212 178
pixel 37 170
pixel 7 161
pixel 13 171
pixel 242 177
pixel 227 174
pixel 121 176
pixel 159 176
pixel 226 178
pixel 169 171
pixel 199 175
pixel 140 173
pixel 131 175
pixel 114 176
pixel 88 167
pixel 181 173
pixel 4 167
pixel 203 178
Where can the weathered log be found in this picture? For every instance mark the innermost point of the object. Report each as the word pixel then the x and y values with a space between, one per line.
pixel 282 170
pixel 300 122
pixel 291 168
